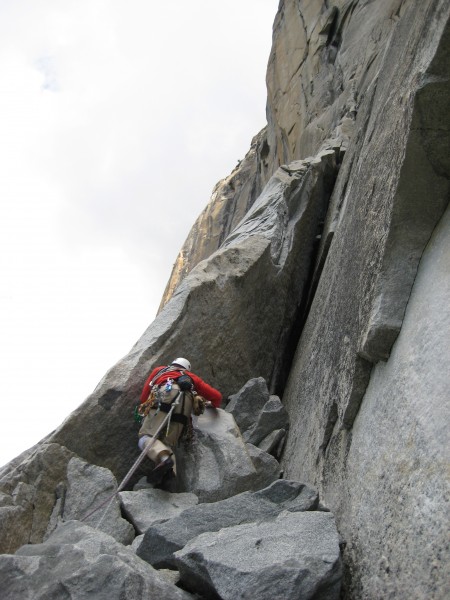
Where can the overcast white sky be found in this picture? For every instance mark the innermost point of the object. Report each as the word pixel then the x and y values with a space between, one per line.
pixel 116 120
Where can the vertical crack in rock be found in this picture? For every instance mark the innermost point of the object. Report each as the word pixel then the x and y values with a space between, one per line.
pixel 315 264
pixel 355 427
pixel 331 419
pixel 355 323
pixel 425 172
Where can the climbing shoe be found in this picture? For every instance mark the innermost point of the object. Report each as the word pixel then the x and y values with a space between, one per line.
pixel 168 483
pixel 163 467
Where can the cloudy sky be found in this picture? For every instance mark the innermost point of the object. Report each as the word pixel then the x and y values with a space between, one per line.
pixel 116 120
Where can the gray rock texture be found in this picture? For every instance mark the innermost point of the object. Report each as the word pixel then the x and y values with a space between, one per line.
pixel 324 58
pixel 267 468
pixel 142 484
pixel 78 563
pixel 230 200
pixel 136 542
pixel 401 447
pixel 258 414
pixel 161 540
pixel 217 463
pixel 272 416
pixel 318 71
pixel 145 507
pixel 248 402
pixel 294 556
pixel 28 495
pixel 391 192
pixel 242 294
pixel 88 486
pixel 331 285
pixel 273 443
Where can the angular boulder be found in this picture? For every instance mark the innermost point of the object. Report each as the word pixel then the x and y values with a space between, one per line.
pixel 27 495
pixel 87 487
pixel 273 443
pixel 267 468
pixel 256 412
pixel 217 464
pixel 272 416
pixel 163 539
pixel 145 507
pixel 294 556
pixel 248 402
pixel 78 562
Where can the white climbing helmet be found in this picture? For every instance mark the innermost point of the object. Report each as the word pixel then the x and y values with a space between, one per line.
pixel 182 362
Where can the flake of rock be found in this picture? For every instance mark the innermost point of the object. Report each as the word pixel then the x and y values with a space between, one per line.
pixel 145 507
pixel 271 251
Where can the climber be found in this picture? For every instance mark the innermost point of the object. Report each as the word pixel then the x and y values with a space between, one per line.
pixel 166 385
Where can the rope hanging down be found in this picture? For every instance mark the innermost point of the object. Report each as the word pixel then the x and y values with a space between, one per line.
pixel 135 465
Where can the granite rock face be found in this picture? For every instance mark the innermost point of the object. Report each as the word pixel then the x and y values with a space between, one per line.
pixel 359 429
pixel 27 496
pixel 320 266
pixel 88 486
pixel 230 200
pixel 244 293
pixel 217 463
pixel 262 418
pixel 145 507
pixel 238 562
pixel 161 540
pixel 324 59
pixel 248 402
pixel 318 73
pixel 400 447
pixel 78 562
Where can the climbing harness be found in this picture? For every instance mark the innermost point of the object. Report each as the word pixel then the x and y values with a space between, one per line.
pixel 136 464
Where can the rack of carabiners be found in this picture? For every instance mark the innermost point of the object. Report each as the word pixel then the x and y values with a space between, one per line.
pixel 154 401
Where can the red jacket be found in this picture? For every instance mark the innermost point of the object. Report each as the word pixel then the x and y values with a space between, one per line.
pixel 202 388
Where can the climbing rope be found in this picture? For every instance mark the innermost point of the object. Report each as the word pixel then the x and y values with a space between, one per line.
pixel 134 467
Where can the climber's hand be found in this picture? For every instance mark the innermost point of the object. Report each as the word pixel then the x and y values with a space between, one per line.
pixel 198 407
